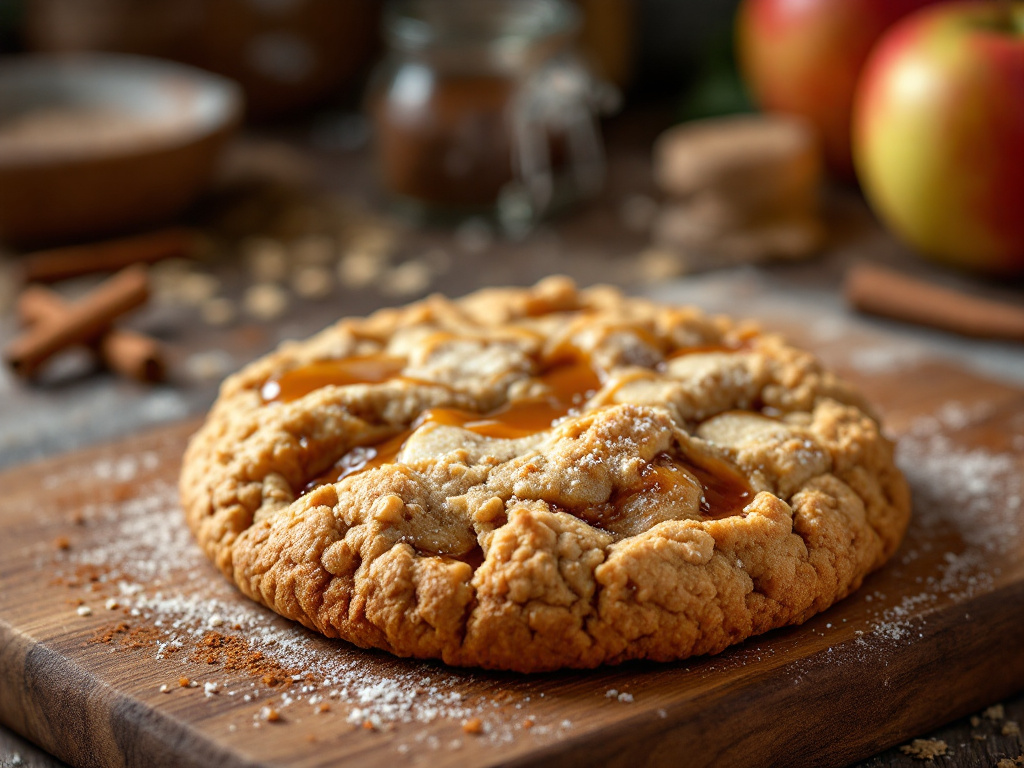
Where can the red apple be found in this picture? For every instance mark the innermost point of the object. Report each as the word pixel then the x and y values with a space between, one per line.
pixel 939 133
pixel 804 56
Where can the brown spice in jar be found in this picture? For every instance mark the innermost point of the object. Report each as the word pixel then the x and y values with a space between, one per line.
pixel 452 145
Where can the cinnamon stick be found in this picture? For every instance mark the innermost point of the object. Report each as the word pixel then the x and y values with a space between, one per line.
pixel 83 321
pixel 879 291
pixel 107 256
pixel 125 352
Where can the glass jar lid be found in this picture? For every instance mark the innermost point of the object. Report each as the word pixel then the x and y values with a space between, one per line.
pixel 453 26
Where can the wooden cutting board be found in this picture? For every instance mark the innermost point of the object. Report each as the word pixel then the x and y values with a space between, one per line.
pixel 934 635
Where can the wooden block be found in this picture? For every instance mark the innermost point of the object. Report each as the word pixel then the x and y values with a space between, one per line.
pixel 757 163
pixel 932 636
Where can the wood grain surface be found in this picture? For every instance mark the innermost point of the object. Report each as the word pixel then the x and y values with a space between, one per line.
pixel 935 635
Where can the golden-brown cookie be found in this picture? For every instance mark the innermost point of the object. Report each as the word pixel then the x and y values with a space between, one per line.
pixel 539 478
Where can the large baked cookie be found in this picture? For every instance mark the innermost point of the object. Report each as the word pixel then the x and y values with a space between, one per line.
pixel 539 478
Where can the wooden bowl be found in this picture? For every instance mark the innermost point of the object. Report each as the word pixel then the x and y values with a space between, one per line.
pixel 97 144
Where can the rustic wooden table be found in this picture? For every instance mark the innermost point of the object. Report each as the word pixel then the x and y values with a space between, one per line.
pixel 76 405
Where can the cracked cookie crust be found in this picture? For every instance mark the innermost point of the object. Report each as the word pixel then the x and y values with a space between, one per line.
pixel 531 479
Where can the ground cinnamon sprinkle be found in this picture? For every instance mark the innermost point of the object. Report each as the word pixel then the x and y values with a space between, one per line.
pixel 107 634
pixel 235 654
pixel 84 573
pixel 473 725
pixel 128 637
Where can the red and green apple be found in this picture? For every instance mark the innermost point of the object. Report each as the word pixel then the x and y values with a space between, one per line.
pixel 804 56
pixel 938 133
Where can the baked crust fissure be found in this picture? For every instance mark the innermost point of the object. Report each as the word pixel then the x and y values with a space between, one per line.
pixel 531 479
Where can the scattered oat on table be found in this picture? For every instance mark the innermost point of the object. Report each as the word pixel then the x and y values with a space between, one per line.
pixel 409 279
pixel 218 311
pixel 358 269
pixel 265 301
pixel 266 260
pixel 312 282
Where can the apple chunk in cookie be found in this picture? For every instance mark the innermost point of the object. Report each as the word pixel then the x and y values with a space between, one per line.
pixel 539 478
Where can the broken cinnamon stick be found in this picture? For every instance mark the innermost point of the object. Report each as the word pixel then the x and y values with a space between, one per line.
pixel 83 321
pixel 125 352
pixel 879 291
pixel 107 256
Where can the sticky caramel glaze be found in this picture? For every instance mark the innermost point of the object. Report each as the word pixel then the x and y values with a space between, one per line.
pixel 569 384
pixel 723 492
pixel 726 491
pixel 366 369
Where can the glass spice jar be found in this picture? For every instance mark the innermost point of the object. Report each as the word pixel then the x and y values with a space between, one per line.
pixel 482 106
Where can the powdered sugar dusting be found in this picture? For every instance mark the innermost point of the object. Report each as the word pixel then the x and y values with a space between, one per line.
pixel 967 519
pixel 975 490
pixel 160 580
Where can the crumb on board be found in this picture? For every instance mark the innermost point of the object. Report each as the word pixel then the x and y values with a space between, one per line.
pixel 925 749
pixel 62 542
pixel 84 610
pixel 473 725
pixel 184 682
pixel 270 715
pixel 995 712
pixel 165 688
pixel 1011 728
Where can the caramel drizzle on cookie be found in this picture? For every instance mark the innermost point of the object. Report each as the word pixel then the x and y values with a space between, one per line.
pixel 569 384
pixel 570 381
pixel 364 369
pixel 724 492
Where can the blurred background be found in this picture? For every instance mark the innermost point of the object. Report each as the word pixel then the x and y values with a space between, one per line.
pixel 262 167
